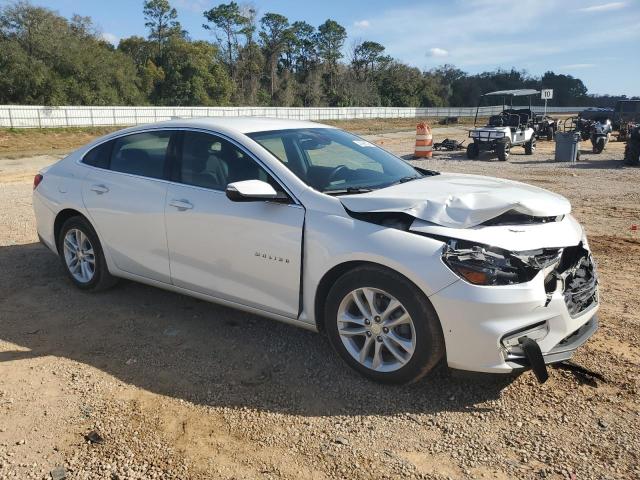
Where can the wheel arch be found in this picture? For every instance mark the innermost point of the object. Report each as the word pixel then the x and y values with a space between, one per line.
pixel 332 275
pixel 62 216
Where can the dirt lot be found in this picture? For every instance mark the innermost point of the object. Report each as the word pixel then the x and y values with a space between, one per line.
pixel 180 388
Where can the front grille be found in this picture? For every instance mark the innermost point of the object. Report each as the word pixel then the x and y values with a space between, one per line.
pixel 578 273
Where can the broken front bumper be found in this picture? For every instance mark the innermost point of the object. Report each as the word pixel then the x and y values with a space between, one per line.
pixel 486 327
pixel 534 358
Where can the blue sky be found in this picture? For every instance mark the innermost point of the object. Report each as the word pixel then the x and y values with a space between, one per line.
pixel 595 40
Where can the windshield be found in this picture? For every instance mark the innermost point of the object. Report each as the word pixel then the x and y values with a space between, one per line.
pixel 334 161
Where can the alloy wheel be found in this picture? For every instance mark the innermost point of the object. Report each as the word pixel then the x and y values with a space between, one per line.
pixel 79 255
pixel 376 329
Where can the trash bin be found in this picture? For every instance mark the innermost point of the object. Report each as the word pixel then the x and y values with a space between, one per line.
pixel 567 146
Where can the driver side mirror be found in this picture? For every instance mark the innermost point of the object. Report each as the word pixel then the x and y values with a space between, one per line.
pixel 253 191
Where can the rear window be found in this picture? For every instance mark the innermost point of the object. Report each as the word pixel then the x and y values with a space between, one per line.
pixel 141 154
pixel 99 156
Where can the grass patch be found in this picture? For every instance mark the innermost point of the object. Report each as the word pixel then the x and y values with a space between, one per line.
pixel 22 142
pixel 15 142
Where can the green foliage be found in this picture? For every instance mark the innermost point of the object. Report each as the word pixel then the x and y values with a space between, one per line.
pixel 48 59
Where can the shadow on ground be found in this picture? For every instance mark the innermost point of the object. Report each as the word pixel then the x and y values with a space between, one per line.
pixel 208 354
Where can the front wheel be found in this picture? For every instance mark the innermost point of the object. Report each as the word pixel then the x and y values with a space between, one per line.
pixel 503 150
pixel 598 145
pixel 530 146
pixel 383 326
pixel 550 133
pixel 82 257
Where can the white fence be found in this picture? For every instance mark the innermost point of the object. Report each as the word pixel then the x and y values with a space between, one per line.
pixel 18 116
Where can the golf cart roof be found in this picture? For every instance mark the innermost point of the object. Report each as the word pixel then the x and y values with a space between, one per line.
pixel 512 93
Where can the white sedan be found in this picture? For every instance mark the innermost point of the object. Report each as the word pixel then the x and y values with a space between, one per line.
pixel 401 267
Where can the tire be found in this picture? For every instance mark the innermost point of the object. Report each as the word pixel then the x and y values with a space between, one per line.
pixel 422 331
pixel 632 154
pixel 503 150
pixel 530 146
pixel 94 275
pixel 550 133
pixel 598 145
pixel 473 151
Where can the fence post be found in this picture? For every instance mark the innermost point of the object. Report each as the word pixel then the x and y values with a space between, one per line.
pixel 113 115
pixel 91 112
pixel 10 117
pixel 39 119
pixel 66 117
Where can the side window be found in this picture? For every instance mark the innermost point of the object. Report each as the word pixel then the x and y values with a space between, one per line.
pixel 212 162
pixel 99 156
pixel 141 154
pixel 276 147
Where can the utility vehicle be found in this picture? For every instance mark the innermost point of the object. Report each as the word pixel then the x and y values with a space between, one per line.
pixel 510 128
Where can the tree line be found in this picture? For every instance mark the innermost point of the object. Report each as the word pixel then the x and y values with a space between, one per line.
pixel 268 60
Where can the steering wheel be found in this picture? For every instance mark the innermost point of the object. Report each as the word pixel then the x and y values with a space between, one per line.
pixel 335 173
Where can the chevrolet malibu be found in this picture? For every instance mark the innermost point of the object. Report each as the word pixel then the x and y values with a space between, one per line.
pixel 399 266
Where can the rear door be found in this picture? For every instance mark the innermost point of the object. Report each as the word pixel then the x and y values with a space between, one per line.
pixel 125 196
pixel 245 252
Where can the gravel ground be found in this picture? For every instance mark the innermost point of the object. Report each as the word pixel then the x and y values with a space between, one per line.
pixel 179 388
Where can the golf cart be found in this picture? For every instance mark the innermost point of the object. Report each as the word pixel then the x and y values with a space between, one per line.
pixel 512 127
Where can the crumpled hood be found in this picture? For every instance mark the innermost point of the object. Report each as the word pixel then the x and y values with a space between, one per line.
pixel 459 200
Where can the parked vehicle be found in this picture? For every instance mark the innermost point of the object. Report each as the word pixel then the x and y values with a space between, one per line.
pixel 600 134
pixel 401 267
pixel 632 148
pixel 545 127
pixel 626 115
pixel 512 127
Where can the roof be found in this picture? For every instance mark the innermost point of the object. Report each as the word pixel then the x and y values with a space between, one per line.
pixel 240 124
pixel 513 93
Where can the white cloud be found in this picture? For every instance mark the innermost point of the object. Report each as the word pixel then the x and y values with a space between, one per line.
pixel 110 37
pixel 604 7
pixel 361 24
pixel 437 52
pixel 577 66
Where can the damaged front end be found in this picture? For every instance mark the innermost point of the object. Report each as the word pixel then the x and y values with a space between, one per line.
pixel 570 271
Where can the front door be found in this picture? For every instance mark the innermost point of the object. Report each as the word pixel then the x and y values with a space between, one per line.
pixel 245 252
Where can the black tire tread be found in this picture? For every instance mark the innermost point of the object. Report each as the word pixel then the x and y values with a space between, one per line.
pixel 380 277
pixel 102 279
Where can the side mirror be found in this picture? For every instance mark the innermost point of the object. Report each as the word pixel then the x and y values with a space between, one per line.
pixel 253 191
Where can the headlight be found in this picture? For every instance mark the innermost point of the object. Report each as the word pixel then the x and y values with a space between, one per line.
pixel 485 265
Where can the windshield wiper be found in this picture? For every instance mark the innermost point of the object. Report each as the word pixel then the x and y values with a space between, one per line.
pixel 348 191
pixel 406 179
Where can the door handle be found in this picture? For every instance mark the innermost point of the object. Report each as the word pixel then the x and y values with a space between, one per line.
pixel 181 205
pixel 99 189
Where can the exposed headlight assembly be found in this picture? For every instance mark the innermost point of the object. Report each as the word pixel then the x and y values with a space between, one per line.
pixel 485 265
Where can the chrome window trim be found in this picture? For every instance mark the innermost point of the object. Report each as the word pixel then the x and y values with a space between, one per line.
pixel 171 182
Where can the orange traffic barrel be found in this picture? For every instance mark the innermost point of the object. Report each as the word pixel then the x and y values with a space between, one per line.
pixel 424 141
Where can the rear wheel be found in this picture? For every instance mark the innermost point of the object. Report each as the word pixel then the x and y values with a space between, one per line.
pixel 383 326
pixel 549 133
pixel 82 257
pixel 530 146
pixel 503 150
pixel 473 150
